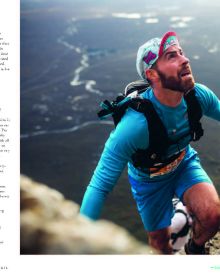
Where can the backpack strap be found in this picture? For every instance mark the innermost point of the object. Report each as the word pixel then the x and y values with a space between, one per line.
pixel 193 107
pixel 194 114
pixel 157 131
pixel 117 107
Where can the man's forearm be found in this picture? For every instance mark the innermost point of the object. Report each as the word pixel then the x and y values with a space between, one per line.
pixel 93 202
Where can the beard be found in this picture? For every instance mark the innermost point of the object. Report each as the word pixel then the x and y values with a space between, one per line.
pixel 176 83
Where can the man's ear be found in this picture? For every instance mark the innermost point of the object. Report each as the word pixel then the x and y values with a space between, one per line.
pixel 152 75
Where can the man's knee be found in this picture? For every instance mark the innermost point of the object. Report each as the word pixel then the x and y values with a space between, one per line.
pixel 211 219
pixel 207 221
pixel 203 202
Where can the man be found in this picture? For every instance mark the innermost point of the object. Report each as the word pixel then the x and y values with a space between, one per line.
pixel 163 64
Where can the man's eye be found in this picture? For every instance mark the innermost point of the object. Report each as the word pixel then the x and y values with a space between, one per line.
pixel 172 55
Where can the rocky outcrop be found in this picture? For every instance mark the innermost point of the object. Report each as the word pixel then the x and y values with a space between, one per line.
pixel 50 224
pixel 214 245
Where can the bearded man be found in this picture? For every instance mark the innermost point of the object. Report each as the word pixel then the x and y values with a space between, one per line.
pixel 176 173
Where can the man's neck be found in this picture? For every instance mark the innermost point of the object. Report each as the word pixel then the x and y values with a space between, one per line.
pixel 168 97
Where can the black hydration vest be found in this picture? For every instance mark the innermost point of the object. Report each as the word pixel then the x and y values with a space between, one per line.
pixel 159 142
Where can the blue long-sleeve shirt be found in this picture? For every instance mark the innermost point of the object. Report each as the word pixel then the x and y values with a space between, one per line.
pixel 131 134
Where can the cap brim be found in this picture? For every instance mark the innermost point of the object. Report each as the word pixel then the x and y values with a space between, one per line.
pixel 165 39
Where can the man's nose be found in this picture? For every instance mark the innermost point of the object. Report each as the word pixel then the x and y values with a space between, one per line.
pixel 185 60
